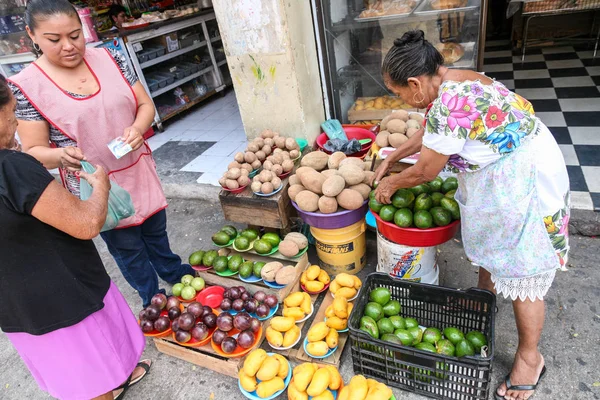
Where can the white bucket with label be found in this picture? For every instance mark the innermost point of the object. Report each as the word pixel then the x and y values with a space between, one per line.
pixel 432 278
pixel 405 262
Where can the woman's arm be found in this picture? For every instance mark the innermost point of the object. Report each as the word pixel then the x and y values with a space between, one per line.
pixel 428 167
pixel 133 135
pixel 408 148
pixel 65 212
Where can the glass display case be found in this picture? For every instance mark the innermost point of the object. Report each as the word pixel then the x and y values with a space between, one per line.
pixel 15 45
pixel 355 36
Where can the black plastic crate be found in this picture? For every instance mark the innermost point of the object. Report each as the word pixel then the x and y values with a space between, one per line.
pixel 429 374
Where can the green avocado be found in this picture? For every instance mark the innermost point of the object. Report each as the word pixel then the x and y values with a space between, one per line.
pixel 464 348
pixel 402 198
pixel 423 202
pixel 432 335
pixel 441 216
pixel 272 238
pixel 445 347
pixel 241 243
pixel 403 218
pixel 374 311
pixel 398 322
pixel 221 264
pixel 451 194
pixel 454 335
pixel 235 262
pixel 258 268
pixel 209 258
pixel 417 334
pixel 449 184
pixel 387 212
pixel 436 198
pixel 410 323
pixel 390 337
pixel 420 189
pixel 251 234
pixel 436 184
pixel 385 326
pixel 425 347
pixel 196 257
pixel 391 308
pixel 368 325
pixel 477 339
pixel 375 206
pixel 246 269
pixel 221 238
pixel 404 336
pixel 262 246
pixel 380 295
pixel 230 230
pixel 452 206
pixel 423 219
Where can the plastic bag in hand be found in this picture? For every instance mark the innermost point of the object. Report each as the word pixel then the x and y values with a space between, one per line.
pixel 120 205
pixel 346 147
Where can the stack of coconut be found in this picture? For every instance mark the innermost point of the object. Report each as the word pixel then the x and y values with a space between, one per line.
pixel 396 128
pixel 327 182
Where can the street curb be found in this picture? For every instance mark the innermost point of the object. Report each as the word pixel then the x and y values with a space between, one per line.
pixel 198 191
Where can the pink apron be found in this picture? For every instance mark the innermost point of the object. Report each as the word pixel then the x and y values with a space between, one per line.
pixel 94 121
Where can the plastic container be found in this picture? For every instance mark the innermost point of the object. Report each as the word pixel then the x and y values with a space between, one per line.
pixel 162 80
pixel 352 132
pixel 189 40
pixel 170 77
pixel 336 220
pixel 428 374
pixel 152 84
pixel 405 262
pixel 343 249
pixel 192 66
pixel 142 56
pixel 415 236
pixel 180 73
pixel 160 51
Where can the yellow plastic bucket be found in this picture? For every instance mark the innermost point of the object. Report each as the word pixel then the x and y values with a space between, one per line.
pixel 343 249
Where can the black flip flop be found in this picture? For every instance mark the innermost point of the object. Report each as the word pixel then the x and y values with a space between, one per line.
pixel 129 382
pixel 520 388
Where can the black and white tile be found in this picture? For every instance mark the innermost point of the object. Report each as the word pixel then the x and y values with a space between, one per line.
pixel 563 85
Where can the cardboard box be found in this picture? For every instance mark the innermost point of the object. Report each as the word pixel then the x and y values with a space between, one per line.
pixel 170 42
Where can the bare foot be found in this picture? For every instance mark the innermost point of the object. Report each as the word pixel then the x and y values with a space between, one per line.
pixel 526 371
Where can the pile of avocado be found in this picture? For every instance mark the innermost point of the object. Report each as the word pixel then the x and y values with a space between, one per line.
pixel 246 268
pixel 246 239
pixel 424 206
pixel 204 258
pixel 225 235
pixel 267 243
pixel 381 320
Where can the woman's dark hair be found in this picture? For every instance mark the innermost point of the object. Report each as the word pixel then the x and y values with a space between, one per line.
pixel 411 56
pixel 39 10
pixel 5 92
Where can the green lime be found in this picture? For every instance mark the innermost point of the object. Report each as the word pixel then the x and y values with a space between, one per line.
pixel 423 219
pixel 441 216
pixel 445 347
pixel 375 206
pixel 392 307
pixel 410 323
pixel 452 206
pixel 272 238
pixel 464 348
pixel 241 243
pixel 380 295
pixel 477 339
pixel 196 257
pixel 258 268
pixel 374 310
pixel 221 238
pixel 398 322
pixel 230 230
pixel 402 198
pixel 404 336
pixel 436 198
pixel 251 234
pixel 432 335
pixel 449 184
pixel 385 326
pixel 387 213
pixel 262 246
pixel 454 335
pixel 403 218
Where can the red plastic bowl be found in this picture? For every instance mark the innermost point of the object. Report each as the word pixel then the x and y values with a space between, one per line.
pixel 235 191
pixel 353 132
pixel 211 296
pixel 414 236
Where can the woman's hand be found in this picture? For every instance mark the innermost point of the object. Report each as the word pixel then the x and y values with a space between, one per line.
pixel 385 190
pixel 133 137
pixel 71 157
pixel 98 180
pixel 382 171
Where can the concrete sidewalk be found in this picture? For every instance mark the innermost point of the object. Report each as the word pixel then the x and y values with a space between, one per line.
pixel 569 343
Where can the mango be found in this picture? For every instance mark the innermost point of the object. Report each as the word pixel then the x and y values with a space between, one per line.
pixel 332 338
pixel 314 286
pixel 340 307
pixel 306 304
pixel 329 313
pixel 284 366
pixel 336 378
pixel 344 394
pixel 358 388
pixel 371 382
pixel 269 369
pixel 345 280
pixel 290 337
pixel 337 323
pixel 357 282
pixel 303 377
pixel 303 278
pixel 346 292
pixel 294 299
pixel 317 332
pixel 334 287
pixel 350 307
pixel 320 382
pixel 317 348
pixel 379 392
pixel 282 324
pixel 269 388
pixel 293 312
pixel 274 337
pixel 324 277
pixel 313 272
pixel 326 395
pixel 254 361
pixel 248 382
pixel 300 367
pixel 295 394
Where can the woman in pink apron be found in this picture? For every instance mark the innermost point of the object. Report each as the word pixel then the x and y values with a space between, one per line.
pixel 72 102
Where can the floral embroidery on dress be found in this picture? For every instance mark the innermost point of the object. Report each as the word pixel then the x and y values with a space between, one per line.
pixel 557 226
pixel 506 138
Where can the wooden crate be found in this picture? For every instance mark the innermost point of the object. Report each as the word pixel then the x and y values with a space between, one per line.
pixel 211 278
pixel 372 115
pixel 248 208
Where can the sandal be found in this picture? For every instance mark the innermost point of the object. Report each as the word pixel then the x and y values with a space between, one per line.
pixel 520 388
pixel 145 365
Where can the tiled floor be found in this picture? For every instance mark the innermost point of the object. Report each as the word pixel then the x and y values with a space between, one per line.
pixel 563 84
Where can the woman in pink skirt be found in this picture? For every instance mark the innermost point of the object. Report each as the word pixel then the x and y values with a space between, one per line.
pixel 68 321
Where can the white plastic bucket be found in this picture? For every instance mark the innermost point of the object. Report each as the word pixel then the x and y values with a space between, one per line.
pixel 404 262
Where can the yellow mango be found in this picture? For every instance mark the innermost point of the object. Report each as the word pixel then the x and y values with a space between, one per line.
pixel 357 282
pixel 303 278
pixel 326 395
pixel 379 392
pixel 269 388
pixel 319 383
pixel 294 299
pixel 329 311
pixel 317 332
pixel 336 378
pixel 269 369
pixel 290 337
pixel 324 277
pixel 314 286
pixel 371 382
pixel 293 312
pixel 332 338
pixel 282 324
pixel 284 366
pixel 337 323
pixel 358 388
pixel 248 382
pixel 300 367
pixel 274 337
pixel 350 307
pixel 345 280
pixel 344 394
pixel 340 307
pixel 346 292
pixel 306 303
pixel 317 348
pixel 303 377
pixel 313 272
pixel 294 394
pixel 254 361
pixel 334 287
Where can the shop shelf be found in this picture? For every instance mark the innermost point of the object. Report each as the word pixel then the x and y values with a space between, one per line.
pixel 181 82
pixel 174 54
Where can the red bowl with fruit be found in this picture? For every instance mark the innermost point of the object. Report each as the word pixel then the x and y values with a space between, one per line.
pixel 235 191
pixel 352 132
pixel 156 334
pixel 211 296
pixel 197 343
pixel 414 236
pixel 239 351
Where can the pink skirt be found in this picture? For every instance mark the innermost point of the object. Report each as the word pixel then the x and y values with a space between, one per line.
pixel 88 359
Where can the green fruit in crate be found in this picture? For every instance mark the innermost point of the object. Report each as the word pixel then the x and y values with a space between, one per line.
pixel 451 194
pixel 423 202
pixel 209 258
pixel 423 219
pixel 272 238
pixel 436 198
pixel 258 268
pixel 246 269
pixel 449 184
pixel 452 206
pixel 417 334
pixel 387 213
pixel 251 234
pixel 196 257
pixel 374 310
pixel 405 337
pixel 221 264
pixel 441 216
pixel 390 337
pixel 385 326
pixel 432 335
pixel 241 243
pixel 369 325
pixel 262 246
pixel 235 262
pixel 398 322
pixel 411 323
pixel 403 218
pixel 230 230
pixel 446 348
pixel 375 206
pixel 464 348
pixel 380 296
pixel 221 238
pixel 392 307
pixel 177 288
pixel 454 335
pixel 444 367
pixel 477 339
pixel 425 347
pixel 420 189
pixel 436 184
pixel 402 198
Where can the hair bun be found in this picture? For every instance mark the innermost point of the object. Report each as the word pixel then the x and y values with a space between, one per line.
pixel 416 36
